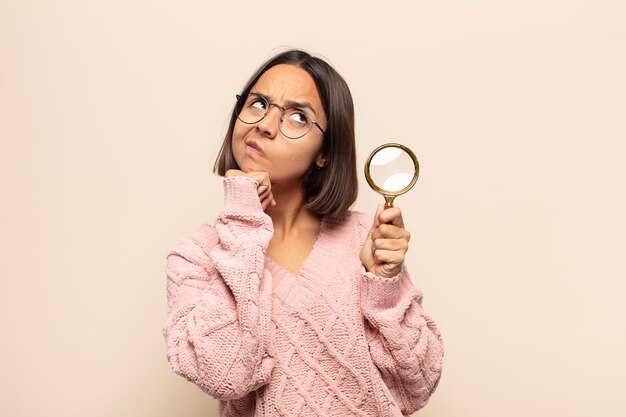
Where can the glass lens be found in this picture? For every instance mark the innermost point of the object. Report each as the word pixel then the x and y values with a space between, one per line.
pixel 253 109
pixel 392 169
pixel 295 123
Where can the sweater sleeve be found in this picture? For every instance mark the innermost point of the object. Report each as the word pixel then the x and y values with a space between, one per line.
pixel 405 344
pixel 219 298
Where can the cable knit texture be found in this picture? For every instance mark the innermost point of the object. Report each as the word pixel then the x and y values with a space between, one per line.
pixel 335 340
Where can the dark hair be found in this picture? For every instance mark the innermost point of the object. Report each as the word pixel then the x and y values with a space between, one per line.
pixel 332 189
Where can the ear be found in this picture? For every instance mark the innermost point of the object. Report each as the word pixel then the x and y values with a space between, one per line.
pixel 320 161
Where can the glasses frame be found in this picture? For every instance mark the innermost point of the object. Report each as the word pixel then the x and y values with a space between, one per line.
pixel 282 109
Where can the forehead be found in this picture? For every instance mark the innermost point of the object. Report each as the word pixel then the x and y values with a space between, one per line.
pixel 285 82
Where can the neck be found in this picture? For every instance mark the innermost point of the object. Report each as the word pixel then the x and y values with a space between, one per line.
pixel 289 216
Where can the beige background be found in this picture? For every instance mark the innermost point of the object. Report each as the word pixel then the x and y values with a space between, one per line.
pixel 111 113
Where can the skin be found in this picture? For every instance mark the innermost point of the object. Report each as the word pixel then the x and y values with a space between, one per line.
pixel 278 165
pixel 387 243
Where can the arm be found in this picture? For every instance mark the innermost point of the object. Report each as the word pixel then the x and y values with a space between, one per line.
pixel 405 343
pixel 219 299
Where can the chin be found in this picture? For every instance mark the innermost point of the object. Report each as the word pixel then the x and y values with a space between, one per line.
pixel 250 166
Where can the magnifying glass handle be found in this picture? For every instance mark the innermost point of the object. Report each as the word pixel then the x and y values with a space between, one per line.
pixel 389 201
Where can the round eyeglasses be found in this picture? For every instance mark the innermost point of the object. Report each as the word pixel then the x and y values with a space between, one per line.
pixel 294 122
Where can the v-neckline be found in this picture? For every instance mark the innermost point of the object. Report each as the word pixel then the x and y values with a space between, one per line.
pixel 308 257
pixel 323 259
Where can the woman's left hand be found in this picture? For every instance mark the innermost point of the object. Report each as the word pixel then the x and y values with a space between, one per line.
pixel 383 252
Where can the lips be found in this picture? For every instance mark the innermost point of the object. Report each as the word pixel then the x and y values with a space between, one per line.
pixel 252 144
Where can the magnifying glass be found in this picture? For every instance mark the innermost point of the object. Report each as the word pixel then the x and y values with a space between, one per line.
pixel 391 170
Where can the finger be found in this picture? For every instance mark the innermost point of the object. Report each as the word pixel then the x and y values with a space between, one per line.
pixel 391 215
pixel 268 199
pixel 265 202
pixel 391 244
pixel 388 270
pixel 263 191
pixel 262 178
pixel 392 257
pixel 389 231
pixel 233 173
pixel 376 222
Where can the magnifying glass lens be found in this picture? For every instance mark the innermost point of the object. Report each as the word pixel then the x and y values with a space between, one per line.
pixel 392 169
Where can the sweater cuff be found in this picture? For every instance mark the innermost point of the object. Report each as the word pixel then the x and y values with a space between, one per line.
pixel 379 293
pixel 240 195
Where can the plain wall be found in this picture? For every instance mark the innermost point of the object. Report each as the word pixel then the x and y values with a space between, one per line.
pixel 112 112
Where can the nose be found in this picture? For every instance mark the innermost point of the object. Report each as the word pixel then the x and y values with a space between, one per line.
pixel 269 125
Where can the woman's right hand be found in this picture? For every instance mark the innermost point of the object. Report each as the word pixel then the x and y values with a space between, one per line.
pixel 264 189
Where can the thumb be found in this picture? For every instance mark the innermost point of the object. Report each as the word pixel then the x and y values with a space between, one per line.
pixel 376 222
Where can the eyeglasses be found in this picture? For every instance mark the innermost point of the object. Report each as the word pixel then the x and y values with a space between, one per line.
pixel 294 122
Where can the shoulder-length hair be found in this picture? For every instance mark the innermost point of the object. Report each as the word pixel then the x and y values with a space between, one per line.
pixel 330 190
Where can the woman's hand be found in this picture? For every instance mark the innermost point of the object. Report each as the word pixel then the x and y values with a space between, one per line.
pixel 383 252
pixel 264 189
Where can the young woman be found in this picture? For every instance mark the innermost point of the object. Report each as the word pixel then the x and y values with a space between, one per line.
pixel 290 304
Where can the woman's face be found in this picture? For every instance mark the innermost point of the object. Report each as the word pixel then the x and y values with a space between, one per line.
pixel 262 147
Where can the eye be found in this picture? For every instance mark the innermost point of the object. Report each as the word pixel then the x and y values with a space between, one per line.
pixel 257 102
pixel 298 116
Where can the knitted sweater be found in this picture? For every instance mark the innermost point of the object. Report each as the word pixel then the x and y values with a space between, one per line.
pixel 335 340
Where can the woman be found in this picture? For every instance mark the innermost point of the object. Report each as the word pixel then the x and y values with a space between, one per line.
pixel 291 304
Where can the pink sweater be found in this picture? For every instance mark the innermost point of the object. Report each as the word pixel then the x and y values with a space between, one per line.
pixel 333 341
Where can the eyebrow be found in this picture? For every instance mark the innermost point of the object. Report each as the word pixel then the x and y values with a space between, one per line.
pixel 289 103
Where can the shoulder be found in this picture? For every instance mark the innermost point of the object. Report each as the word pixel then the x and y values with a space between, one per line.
pixel 355 223
pixel 362 223
pixel 362 219
pixel 196 245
